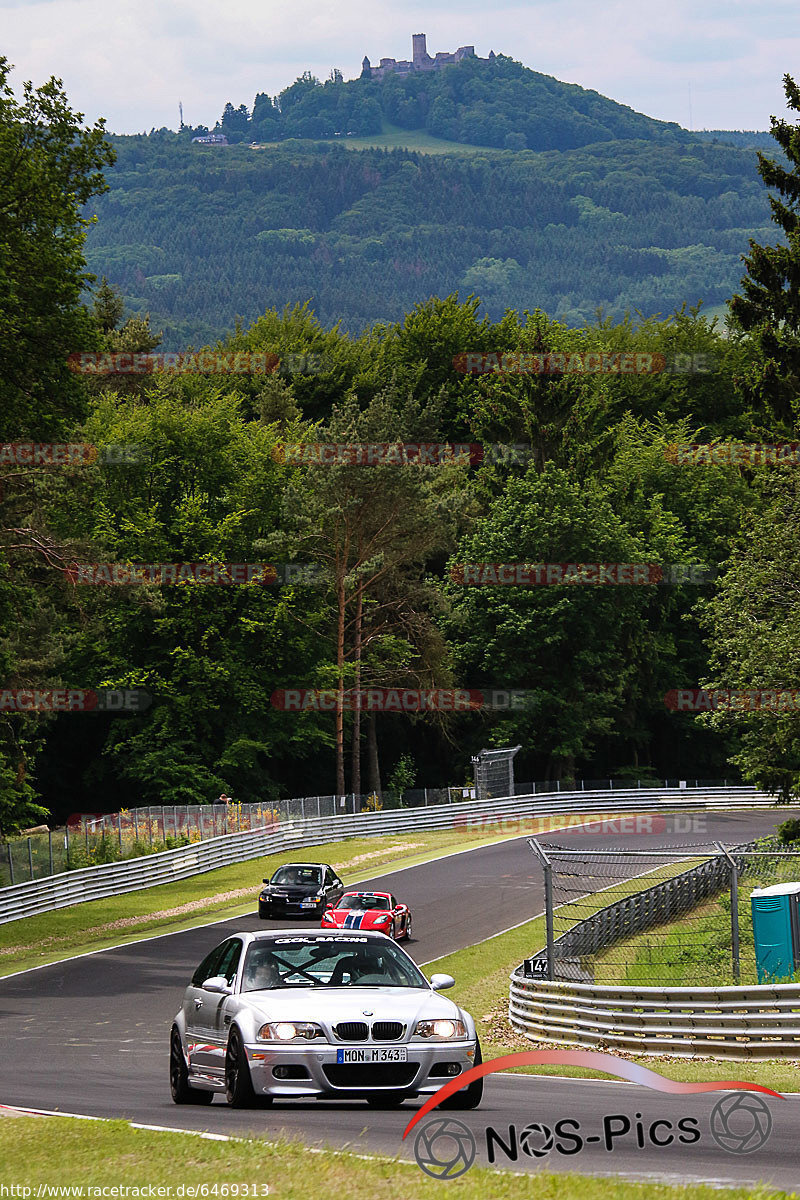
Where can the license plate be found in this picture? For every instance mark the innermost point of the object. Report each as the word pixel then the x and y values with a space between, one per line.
pixel 308 904
pixel 372 1054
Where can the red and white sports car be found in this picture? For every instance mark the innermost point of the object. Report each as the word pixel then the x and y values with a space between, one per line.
pixel 369 910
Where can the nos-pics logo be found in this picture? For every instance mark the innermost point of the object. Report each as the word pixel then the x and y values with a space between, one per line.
pixel 445 1148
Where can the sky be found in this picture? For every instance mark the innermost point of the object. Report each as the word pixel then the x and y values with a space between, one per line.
pixel 706 65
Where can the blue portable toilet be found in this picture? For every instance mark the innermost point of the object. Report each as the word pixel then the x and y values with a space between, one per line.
pixel 776 930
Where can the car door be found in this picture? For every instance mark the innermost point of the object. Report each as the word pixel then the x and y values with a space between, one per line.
pixel 202 1018
pixel 228 968
pixel 400 914
pixel 334 887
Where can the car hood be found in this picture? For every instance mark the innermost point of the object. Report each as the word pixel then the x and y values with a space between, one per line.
pixel 332 1005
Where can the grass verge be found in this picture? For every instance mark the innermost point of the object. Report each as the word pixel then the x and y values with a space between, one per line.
pixel 222 893
pixel 695 949
pixel 64 1152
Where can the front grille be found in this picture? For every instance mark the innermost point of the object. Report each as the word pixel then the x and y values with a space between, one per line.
pixel 387 1031
pixel 351 1031
pixel 370 1075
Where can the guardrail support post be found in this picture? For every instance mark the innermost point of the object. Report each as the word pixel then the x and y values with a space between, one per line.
pixel 548 902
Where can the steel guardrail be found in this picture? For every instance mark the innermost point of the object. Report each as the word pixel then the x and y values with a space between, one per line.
pixel 91 883
pixel 759 1021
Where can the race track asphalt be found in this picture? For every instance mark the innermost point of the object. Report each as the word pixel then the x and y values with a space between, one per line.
pixel 89 1036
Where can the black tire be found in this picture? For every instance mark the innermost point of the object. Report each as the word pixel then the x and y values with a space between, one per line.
pixel 387 1100
pixel 182 1093
pixel 238 1085
pixel 393 932
pixel 472 1094
pixel 263 912
pixel 408 928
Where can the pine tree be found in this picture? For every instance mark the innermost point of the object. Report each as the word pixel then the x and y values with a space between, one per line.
pixel 769 309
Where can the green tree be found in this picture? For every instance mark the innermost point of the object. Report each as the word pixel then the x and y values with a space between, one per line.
pixel 769 308
pixel 51 167
pixel 753 627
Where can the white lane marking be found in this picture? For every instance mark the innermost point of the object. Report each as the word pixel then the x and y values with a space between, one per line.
pixel 211 1137
pixel 644 1176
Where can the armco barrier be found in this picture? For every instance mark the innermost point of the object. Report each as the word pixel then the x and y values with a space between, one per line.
pixel 509 814
pixel 757 1022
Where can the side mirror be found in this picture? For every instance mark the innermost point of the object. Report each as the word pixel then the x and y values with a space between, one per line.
pixel 265 881
pixel 217 983
pixel 440 982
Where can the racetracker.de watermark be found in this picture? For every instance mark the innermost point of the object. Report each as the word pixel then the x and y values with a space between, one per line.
pixel 584 362
pixel 521 574
pixel 74 700
pixel 205 362
pixel 601 824
pixel 737 454
pixel 121 574
pixel 407 700
pixel 66 454
pixel 733 700
pixel 416 454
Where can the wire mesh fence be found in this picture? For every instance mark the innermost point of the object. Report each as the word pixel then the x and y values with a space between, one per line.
pixel 674 917
pixel 91 839
pixel 94 838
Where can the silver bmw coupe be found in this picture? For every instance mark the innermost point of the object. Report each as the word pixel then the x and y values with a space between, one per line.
pixel 277 1015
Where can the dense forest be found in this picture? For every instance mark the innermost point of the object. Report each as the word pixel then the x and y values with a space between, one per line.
pixel 212 479
pixel 573 203
pixel 200 236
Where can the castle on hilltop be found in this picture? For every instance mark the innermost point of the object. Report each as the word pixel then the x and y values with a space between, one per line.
pixel 420 61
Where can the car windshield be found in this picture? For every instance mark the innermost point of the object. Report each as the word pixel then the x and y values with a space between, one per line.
pixel 363 901
pixel 297 876
pixel 322 961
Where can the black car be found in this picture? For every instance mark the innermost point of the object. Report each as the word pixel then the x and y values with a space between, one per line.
pixel 298 888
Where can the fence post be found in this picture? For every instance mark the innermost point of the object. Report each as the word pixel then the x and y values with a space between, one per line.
pixel 735 964
pixel 10 862
pixel 119 831
pixel 50 848
pixel 548 902
pixel 30 857
pixel 150 824
pixel 66 842
pixel 136 825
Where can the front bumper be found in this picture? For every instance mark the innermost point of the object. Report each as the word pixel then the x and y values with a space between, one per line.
pixel 428 1067
pixel 290 908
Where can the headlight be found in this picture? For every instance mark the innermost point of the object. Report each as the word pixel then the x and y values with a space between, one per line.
pixel 265 894
pixel 287 1031
pixel 383 919
pixel 441 1029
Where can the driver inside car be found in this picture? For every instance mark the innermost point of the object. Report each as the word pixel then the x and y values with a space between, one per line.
pixel 260 973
